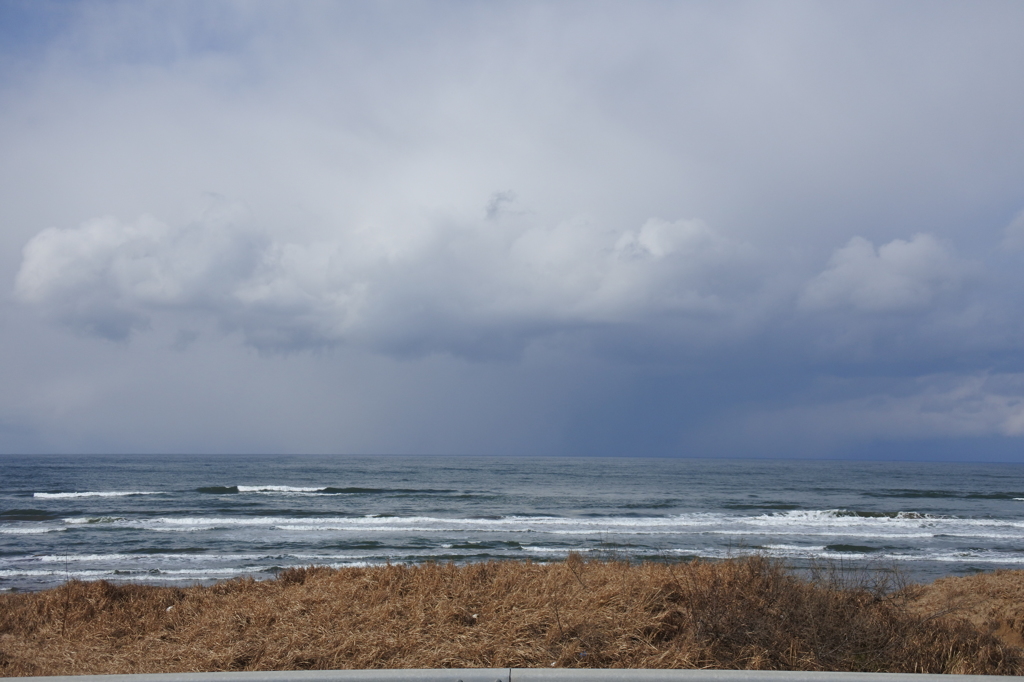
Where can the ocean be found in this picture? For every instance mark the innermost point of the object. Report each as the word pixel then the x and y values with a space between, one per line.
pixel 181 520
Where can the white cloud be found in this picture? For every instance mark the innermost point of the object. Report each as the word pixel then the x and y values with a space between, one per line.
pixel 507 274
pixel 107 277
pixel 898 276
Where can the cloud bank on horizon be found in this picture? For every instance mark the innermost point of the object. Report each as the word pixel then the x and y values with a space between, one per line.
pixel 524 228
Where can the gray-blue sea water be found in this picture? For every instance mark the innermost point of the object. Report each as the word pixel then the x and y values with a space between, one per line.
pixel 198 519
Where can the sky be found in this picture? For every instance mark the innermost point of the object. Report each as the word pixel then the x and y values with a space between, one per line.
pixel 696 229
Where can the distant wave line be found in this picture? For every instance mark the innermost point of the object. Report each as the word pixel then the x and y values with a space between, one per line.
pixel 325 490
pixel 29 531
pixel 98 494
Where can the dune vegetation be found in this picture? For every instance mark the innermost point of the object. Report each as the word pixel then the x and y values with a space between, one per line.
pixel 748 613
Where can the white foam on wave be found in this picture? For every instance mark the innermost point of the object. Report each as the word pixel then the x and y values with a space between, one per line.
pixel 986 536
pixel 328 557
pixel 796 548
pixel 843 517
pixel 901 525
pixel 40 573
pixel 202 571
pixel 822 533
pixel 75 558
pixel 342 528
pixel 810 553
pixel 111 493
pixel 978 557
pixel 782 522
pixel 36 530
pixel 79 520
pixel 169 558
pixel 831 524
pixel 172 574
pixel 427 523
pixel 275 489
pixel 128 574
pixel 147 558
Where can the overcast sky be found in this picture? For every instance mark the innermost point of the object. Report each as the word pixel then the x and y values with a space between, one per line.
pixel 692 228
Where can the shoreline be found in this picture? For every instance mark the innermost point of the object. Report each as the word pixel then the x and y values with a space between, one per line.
pixel 747 613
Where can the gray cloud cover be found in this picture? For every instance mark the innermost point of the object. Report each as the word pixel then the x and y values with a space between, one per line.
pixel 526 228
pixel 453 288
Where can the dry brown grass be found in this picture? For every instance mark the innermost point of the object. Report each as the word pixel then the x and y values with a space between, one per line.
pixel 992 602
pixel 747 613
